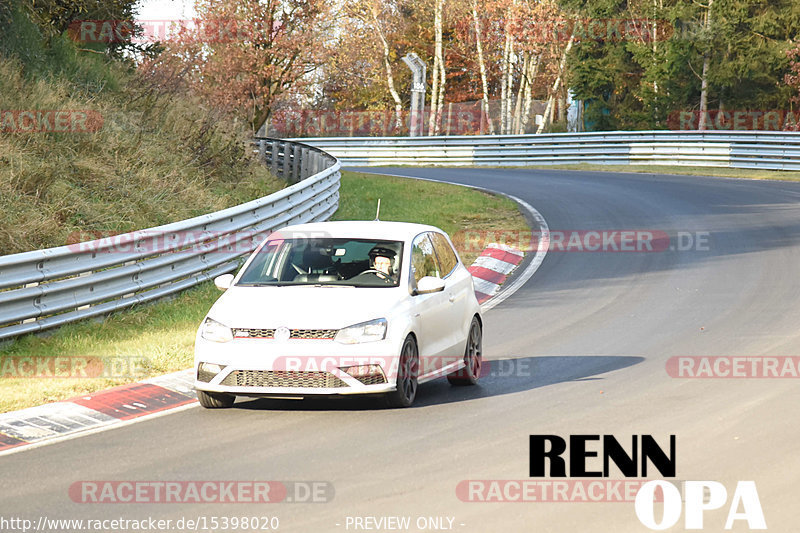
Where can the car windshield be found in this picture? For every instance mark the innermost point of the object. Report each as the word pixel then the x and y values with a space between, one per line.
pixel 325 261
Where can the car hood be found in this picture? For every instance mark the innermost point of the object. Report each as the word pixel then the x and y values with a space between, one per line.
pixel 305 306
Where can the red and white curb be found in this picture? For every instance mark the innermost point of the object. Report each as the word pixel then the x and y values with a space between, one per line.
pixel 94 412
pixel 491 269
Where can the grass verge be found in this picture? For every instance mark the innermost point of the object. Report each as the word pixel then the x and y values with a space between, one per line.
pixel 449 207
pixel 159 338
pixel 151 155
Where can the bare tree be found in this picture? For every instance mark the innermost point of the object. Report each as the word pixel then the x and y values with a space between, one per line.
pixel 398 103
pixel 482 64
pixel 529 77
pixel 520 91
pixel 548 112
pixel 438 74
pixel 506 75
pixel 371 14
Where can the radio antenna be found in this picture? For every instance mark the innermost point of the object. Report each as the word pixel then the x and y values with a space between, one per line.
pixel 378 212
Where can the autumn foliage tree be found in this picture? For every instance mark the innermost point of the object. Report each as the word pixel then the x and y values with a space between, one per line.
pixel 792 78
pixel 243 55
pixel 510 59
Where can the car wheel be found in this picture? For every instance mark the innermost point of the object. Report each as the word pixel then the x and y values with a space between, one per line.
pixel 215 400
pixel 473 357
pixel 407 372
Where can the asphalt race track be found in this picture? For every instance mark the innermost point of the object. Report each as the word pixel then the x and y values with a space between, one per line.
pixel 586 340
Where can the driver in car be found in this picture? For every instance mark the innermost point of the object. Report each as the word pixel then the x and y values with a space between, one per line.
pixel 384 264
pixel 382 260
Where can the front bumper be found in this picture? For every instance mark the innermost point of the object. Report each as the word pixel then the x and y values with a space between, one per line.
pixel 295 368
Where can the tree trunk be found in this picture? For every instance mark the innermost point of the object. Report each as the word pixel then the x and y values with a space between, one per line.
pixel 510 84
pixel 548 112
pixel 533 68
pixel 658 8
pixel 523 83
pixel 482 65
pixel 434 95
pixel 704 93
pixel 398 103
pixel 505 75
pixel 437 76
pixel 704 79
pixel 442 73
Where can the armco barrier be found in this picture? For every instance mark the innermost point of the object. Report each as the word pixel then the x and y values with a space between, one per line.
pixel 46 288
pixel 738 149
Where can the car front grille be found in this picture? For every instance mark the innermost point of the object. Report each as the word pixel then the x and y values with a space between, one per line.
pixel 313 333
pixel 282 378
pixel 204 375
pixel 256 333
pixel 372 379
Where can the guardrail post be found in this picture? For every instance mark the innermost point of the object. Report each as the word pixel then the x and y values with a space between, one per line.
pixel 274 162
pixel 295 172
pixel 304 163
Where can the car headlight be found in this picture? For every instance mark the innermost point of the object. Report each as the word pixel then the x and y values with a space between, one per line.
pixel 374 330
pixel 216 331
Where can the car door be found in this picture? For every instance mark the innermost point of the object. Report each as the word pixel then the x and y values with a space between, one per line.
pixel 457 287
pixel 431 311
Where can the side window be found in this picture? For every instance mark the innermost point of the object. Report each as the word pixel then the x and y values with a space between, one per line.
pixel 445 253
pixel 423 258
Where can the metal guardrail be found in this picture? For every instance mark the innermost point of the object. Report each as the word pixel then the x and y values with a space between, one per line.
pixel 47 288
pixel 738 149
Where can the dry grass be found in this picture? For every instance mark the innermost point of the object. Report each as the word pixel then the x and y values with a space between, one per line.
pixel 158 158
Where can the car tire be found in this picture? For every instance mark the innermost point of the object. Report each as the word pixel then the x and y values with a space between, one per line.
pixel 407 373
pixel 473 357
pixel 215 400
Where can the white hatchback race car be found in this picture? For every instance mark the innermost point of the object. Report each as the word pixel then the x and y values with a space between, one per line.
pixel 336 308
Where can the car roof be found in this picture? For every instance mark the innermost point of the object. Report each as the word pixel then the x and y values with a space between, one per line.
pixel 365 229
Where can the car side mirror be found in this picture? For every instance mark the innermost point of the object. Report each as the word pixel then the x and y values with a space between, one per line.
pixel 429 284
pixel 223 282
